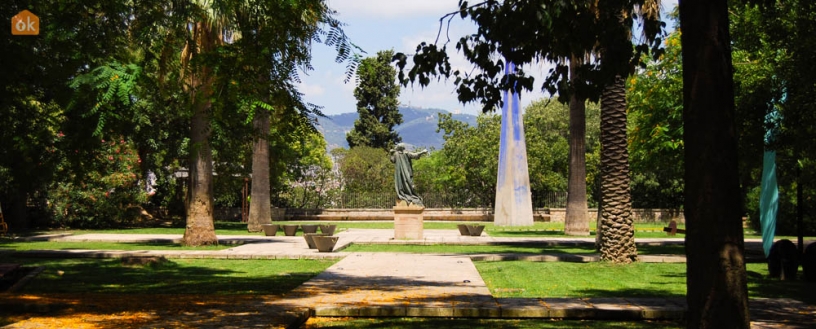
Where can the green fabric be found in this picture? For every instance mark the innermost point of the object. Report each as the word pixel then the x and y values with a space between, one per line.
pixel 768 201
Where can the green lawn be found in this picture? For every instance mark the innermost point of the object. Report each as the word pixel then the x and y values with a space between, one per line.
pixel 537 279
pixel 503 249
pixel 175 276
pixel 538 229
pixel 92 245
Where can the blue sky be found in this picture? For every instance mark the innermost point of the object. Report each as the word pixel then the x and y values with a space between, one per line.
pixel 400 25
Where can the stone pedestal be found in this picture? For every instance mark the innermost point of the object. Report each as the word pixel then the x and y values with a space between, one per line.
pixel 408 221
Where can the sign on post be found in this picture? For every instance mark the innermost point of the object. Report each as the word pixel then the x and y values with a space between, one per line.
pixel 25 23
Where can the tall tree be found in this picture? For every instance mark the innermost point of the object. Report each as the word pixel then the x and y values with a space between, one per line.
pixel 716 279
pixel 376 93
pixel 272 52
pixel 205 37
pixel 616 230
pixel 223 37
pixel 576 221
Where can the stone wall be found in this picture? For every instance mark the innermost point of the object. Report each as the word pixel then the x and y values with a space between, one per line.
pixel 639 215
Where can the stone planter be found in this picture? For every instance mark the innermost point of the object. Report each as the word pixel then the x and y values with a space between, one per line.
pixel 309 228
pixel 463 229
pixel 328 228
pixel 309 237
pixel 325 243
pixel 475 230
pixel 289 230
pixel 270 229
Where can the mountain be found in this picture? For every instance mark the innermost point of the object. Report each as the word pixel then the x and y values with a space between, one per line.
pixel 418 127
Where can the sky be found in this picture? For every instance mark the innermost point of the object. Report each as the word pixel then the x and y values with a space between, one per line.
pixel 400 25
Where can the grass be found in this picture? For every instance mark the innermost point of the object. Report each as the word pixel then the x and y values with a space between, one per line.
pixel 399 323
pixel 91 245
pixel 503 249
pixel 531 279
pixel 175 276
pixel 539 280
pixel 538 229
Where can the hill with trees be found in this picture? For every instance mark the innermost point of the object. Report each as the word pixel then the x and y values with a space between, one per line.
pixel 418 127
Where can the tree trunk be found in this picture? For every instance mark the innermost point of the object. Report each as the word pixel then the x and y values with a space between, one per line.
pixel 617 242
pixel 15 211
pixel 716 278
pixel 576 221
pixel 200 228
pixel 259 206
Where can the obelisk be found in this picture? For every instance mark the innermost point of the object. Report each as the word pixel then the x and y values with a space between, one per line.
pixel 514 205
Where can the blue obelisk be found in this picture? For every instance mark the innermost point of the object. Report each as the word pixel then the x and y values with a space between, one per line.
pixel 514 205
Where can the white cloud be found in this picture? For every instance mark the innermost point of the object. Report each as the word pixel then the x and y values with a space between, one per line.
pixel 392 8
pixel 311 90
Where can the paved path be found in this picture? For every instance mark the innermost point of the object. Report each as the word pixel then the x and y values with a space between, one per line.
pixel 395 284
pixel 285 247
pixel 433 285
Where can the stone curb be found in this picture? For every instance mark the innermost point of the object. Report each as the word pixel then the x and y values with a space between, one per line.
pixel 633 309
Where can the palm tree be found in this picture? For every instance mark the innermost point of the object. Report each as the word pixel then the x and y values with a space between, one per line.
pixel 198 79
pixel 267 40
pixel 615 233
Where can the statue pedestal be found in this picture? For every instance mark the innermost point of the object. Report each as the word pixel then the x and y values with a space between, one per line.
pixel 408 221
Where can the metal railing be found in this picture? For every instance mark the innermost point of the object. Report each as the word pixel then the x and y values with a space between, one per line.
pixel 432 199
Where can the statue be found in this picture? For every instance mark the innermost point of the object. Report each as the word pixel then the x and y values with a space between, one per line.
pixel 404 173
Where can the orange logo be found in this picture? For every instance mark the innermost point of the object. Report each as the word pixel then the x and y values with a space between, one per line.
pixel 25 23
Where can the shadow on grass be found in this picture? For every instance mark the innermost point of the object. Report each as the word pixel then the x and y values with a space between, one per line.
pixel 164 277
pixel 760 285
pixel 630 292
pixel 197 293
pixel 163 244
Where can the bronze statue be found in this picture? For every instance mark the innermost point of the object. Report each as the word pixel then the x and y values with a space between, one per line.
pixel 404 173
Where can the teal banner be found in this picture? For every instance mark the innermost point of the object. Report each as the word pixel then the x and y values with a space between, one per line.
pixel 768 201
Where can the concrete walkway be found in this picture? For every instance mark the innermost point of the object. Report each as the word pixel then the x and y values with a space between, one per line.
pixel 294 247
pixel 421 285
pixel 432 285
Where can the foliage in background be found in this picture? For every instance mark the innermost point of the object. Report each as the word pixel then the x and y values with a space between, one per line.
pixel 106 195
pixel 655 105
pixel 468 161
pixel 774 73
pixel 365 169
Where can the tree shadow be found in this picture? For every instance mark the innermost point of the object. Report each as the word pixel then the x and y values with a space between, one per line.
pixel 165 293
pixel 174 276
pixel 760 285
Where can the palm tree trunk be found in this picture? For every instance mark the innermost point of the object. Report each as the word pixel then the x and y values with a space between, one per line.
pixel 260 207
pixel 716 278
pixel 200 228
pixel 576 221
pixel 617 242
